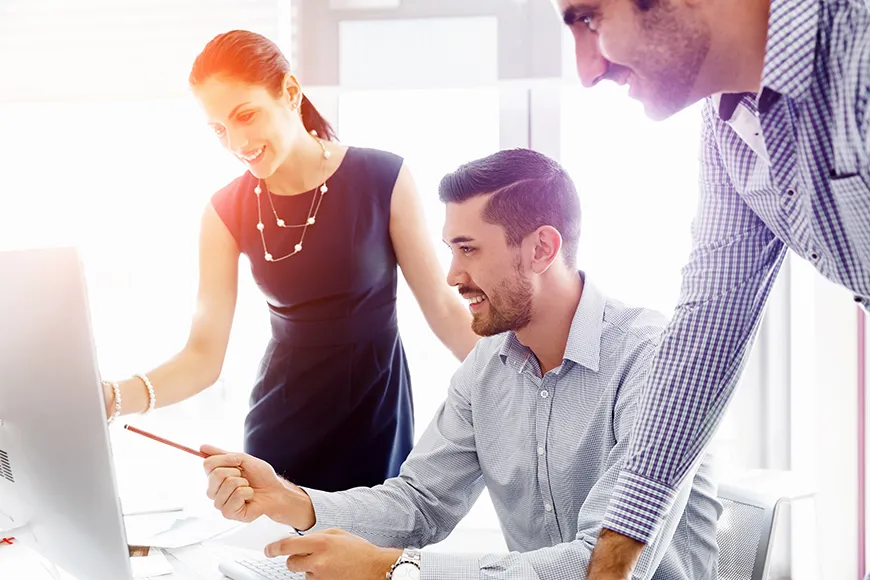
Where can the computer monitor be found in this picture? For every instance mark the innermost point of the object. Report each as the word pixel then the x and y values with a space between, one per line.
pixel 57 482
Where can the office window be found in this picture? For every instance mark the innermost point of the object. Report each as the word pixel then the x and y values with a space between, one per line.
pixel 637 181
pixel 94 49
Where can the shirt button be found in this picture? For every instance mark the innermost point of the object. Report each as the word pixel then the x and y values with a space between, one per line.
pixel 548 507
pixel 814 256
pixel 540 450
pixel 544 394
pixel 790 192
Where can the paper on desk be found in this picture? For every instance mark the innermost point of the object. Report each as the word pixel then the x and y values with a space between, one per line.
pixel 151 566
pixel 200 561
pixel 153 502
pixel 256 535
pixel 174 531
pixel 191 531
pixel 142 528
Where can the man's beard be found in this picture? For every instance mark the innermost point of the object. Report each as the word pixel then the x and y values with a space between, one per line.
pixel 509 308
pixel 679 49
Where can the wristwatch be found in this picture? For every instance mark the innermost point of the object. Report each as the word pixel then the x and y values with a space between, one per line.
pixel 407 567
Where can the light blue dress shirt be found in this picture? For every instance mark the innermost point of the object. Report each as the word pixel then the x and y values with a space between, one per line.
pixel 548 448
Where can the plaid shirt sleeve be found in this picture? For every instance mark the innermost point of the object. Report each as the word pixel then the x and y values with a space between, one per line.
pixel 850 172
pixel 734 261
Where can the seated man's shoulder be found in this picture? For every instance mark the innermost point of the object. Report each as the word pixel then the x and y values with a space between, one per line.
pixel 633 323
pixel 630 336
pixel 487 350
pixel 486 361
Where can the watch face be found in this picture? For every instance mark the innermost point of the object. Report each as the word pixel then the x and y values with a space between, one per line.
pixel 406 572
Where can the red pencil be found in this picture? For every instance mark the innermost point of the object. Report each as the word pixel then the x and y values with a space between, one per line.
pixel 166 441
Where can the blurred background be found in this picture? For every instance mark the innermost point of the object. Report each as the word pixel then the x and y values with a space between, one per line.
pixel 103 147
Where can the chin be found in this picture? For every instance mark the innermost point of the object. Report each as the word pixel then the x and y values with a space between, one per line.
pixel 262 171
pixel 481 327
pixel 666 105
pixel 259 174
pixel 654 108
pixel 655 113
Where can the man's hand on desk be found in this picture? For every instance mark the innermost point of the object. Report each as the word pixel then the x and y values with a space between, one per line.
pixel 243 488
pixel 335 555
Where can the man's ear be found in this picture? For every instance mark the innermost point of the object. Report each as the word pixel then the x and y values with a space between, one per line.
pixel 547 248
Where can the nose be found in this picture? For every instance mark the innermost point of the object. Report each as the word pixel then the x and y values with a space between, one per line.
pixel 592 67
pixel 236 140
pixel 455 275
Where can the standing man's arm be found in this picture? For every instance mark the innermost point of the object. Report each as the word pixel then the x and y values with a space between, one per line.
pixel 725 286
pixel 850 174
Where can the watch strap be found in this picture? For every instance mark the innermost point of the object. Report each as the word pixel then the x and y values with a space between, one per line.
pixel 408 556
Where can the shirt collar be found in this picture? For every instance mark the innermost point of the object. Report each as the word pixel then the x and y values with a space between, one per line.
pixel 726 103
pixel 584 338
pixel 788 59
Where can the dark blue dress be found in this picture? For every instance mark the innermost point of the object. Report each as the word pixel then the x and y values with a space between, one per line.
pixel 331 408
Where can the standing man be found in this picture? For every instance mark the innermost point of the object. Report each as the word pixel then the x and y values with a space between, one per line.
pixel 784 164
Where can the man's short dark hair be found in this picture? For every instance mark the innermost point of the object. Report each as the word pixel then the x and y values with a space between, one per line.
pixel 529 190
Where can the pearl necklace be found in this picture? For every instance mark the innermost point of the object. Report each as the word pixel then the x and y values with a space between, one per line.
pixel 316 200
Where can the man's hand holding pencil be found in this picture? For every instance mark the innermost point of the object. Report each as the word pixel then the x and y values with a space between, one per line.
pixel 244 488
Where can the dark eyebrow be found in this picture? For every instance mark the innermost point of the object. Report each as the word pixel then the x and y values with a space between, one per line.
pixel 461 240
pixel 576 12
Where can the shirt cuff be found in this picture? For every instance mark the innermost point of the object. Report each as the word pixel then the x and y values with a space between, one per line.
pixel 638 507
pixel 439 566
pixel 331 510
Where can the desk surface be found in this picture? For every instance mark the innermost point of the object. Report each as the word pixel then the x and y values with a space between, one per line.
pixel 199 562
pixel 18 562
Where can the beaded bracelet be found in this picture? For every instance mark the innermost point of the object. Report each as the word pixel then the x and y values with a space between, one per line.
pixel 152 398
pixel 116 390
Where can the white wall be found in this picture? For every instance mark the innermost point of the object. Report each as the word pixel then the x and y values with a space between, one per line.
pixel 824 431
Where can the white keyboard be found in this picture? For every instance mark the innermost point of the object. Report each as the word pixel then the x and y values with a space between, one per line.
pixel 260 569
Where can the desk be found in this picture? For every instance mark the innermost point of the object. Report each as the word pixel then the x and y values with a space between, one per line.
pixel 198 562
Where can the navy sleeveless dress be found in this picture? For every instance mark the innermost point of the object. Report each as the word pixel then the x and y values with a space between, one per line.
pixel 331 408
